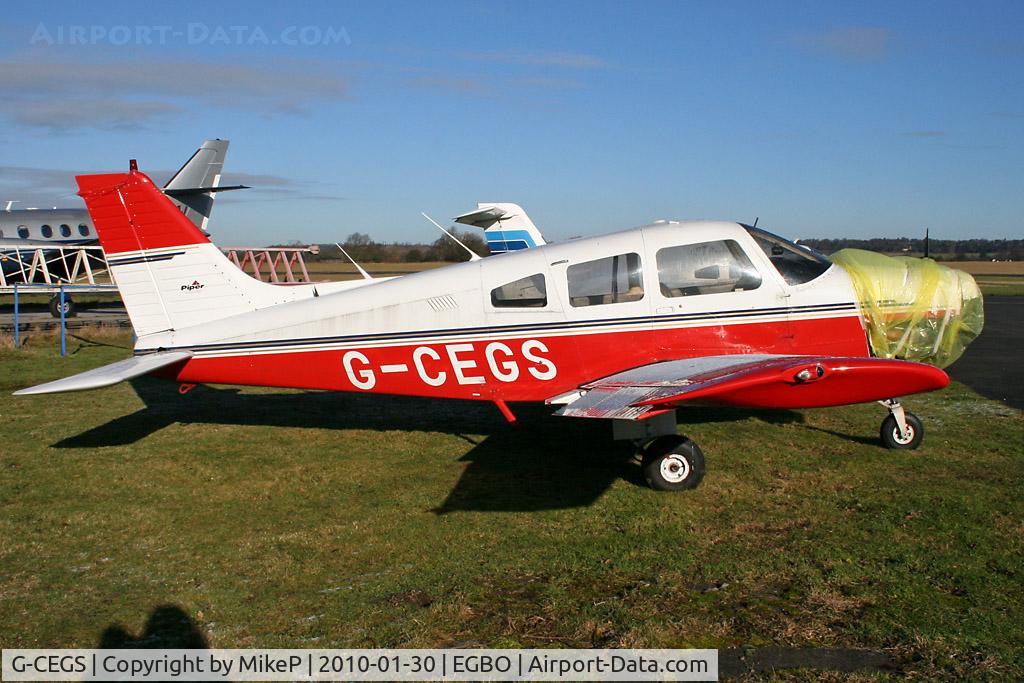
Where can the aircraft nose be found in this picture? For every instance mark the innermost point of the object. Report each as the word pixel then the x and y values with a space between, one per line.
pixel 914 309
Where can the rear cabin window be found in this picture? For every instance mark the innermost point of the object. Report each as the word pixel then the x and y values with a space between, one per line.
pixel 611 280
pixel 528 292
pixel 795 264
pixel 65 230
pixel 47 231
pixel 705 268
pixel 83 230
pixel 23 232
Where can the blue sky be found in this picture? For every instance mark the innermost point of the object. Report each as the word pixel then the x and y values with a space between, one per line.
pixel 823 119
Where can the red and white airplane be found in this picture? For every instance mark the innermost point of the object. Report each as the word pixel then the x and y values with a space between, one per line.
pixel 625 327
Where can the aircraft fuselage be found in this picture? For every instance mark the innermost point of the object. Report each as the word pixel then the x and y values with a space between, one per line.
pixel 609 303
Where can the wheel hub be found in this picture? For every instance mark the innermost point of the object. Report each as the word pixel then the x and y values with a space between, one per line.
pixel 675 468
pixel 901 439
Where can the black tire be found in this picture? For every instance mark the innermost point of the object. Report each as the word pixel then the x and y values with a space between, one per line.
pixel 890 432
pixel 70 309
pixel 673 463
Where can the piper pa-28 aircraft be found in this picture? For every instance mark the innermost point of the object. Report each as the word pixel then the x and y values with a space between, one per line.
pixel 625 327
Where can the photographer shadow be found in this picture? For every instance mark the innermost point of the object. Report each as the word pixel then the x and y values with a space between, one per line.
pixel 168 627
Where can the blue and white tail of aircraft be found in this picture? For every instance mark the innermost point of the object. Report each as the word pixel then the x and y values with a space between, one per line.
pixel 506 226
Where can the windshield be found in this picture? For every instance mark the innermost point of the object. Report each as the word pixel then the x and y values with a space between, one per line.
pixel 796 264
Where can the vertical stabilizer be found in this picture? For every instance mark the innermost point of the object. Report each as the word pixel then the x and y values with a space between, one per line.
pixel 506 226
pixel 191 187
pixel 168 272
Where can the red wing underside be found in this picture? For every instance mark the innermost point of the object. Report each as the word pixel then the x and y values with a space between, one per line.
pixel 761 381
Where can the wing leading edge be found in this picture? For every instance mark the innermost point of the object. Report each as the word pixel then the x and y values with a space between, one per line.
pixel 751 381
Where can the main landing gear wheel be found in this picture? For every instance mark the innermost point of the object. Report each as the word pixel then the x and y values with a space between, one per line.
pixel 672 463
pixel 911 439
pixel 70 310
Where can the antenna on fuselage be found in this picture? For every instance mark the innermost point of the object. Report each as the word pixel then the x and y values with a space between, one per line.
pixel 366 276
pixel 756 219
pixel 926 245
pixel 473 256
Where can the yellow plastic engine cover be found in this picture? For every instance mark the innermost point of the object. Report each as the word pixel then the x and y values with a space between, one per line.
pixel 914 309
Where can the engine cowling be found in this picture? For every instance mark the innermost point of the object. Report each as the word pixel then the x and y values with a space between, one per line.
pixel 914 309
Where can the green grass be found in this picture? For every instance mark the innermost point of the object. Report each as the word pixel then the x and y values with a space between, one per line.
pixel 302 519
pixel 1001 290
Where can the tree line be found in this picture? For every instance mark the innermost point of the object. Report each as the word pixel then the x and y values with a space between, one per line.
pixel 950 250
pixel 364 249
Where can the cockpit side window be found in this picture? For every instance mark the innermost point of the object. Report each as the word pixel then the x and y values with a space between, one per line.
pixel 705 268
pixel 612 280
pixel 795 264
pixel 528 292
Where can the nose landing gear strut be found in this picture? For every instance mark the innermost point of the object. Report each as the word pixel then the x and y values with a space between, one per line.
pixel 901 428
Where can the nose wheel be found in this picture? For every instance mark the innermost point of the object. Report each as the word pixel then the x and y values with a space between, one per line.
pixel 901 429
pixel 672 463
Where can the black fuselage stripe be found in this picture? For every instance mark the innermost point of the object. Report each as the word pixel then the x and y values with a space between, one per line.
pixel 142 259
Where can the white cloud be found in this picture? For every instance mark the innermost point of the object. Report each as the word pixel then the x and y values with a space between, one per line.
pixel 64 95
pixel 852 43
pixel 570 60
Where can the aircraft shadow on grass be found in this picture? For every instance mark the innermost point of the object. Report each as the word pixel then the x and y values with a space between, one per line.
pixel 546 463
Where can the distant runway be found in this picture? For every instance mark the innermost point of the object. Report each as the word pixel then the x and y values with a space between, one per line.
pixel 36 318
pixel 994 364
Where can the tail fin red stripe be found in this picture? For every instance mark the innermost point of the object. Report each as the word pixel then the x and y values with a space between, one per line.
pixel 132 214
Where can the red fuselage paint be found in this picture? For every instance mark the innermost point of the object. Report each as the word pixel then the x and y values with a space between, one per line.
pixel 531 368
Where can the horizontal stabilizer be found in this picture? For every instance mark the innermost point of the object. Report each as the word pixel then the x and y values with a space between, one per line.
pixel 483 217
pixel 752 381
pixel 107 375
pixel 186 191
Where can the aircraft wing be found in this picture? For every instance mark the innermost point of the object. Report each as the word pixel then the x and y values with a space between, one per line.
pixel 110 374
pixel 751 381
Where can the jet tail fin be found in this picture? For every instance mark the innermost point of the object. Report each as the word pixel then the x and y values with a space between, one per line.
pixel 506 226
pixel 192 188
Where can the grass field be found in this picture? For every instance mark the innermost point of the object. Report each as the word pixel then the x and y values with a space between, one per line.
pixel 343 270
pixel 253 517
pixel 1003 278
